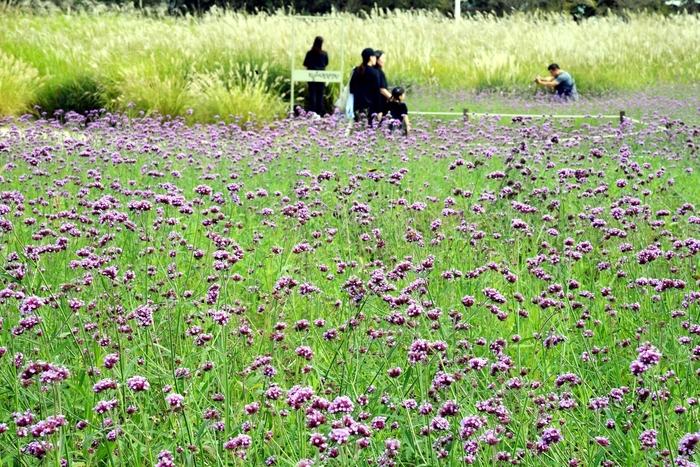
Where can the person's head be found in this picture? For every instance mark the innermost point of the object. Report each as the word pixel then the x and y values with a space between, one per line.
pixel 554 69
pixel 381 58
pixel 318 45
pixel 398 93
pixel 368 57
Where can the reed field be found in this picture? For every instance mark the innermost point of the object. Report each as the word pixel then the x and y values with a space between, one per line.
pixel 232 64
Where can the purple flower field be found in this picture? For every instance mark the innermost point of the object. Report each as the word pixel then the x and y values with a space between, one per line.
pixel 491 292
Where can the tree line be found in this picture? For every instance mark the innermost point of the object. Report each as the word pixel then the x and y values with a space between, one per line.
pixel 579 9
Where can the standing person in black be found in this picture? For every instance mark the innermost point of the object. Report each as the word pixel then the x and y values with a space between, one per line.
pixel 364 85
pixel 379 66
pixel 316 59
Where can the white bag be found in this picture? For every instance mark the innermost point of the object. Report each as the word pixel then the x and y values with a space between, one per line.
pixel 350 106
pixel 342 102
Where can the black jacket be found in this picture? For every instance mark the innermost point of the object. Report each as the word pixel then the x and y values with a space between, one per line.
pixel 365 88
pixel 314 61
pixel 382 78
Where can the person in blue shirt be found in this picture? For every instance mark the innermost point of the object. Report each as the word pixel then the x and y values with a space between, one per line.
pixel 562 82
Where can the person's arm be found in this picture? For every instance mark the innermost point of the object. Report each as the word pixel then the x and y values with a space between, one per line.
pixel 377 97
pixel 383 85
pixel 406 122
pixel 549 84
pixel 549 81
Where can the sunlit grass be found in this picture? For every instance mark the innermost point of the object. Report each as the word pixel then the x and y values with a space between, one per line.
pixel 117 51
pixel 19 83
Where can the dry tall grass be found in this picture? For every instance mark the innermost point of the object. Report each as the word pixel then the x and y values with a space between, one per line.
pixel 162 62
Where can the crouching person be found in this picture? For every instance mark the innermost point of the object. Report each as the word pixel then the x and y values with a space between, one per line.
pixel 562 82
pixel 397 112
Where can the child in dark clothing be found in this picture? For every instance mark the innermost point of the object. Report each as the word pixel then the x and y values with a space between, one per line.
pixel 396 111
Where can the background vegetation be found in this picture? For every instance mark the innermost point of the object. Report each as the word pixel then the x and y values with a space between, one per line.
pixel 578 8
pixel 228 63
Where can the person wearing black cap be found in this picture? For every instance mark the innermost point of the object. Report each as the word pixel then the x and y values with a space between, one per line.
pixel 364 85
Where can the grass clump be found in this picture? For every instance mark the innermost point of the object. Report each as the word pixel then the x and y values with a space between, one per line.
pixel 240 91
pixel 19 83
pixel 144 89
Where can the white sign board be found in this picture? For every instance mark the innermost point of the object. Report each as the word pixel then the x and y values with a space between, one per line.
pixel 317 76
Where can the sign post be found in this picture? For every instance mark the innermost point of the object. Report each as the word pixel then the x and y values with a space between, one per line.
pixel 316 76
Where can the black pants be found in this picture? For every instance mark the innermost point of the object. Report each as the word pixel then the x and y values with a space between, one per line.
pixel 366 113
pixel 316 97
pixel 397 125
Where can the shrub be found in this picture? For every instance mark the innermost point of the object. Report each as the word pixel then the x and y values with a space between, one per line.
pixel 80 94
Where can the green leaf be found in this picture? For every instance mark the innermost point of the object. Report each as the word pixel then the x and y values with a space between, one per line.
pixel 10 278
